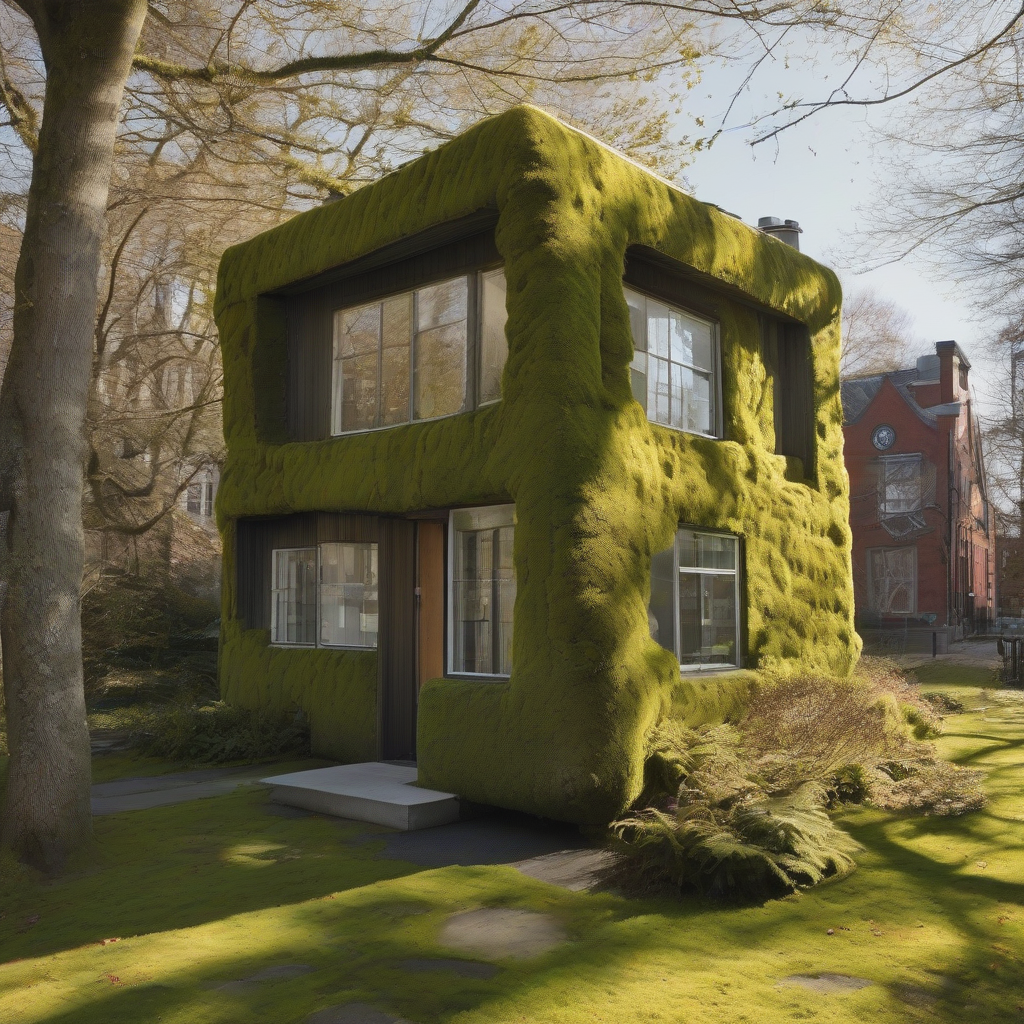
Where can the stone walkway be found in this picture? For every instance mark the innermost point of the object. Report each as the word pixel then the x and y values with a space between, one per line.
pixel 549 851
pixel 975 653
pixel 176 788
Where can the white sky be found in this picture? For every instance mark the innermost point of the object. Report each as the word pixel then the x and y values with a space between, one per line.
pixel 821 173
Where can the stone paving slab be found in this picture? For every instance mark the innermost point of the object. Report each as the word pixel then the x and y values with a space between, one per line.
pixel 502 932
pixel 575 870
pixel 827 984
pixel 279 972
pixel 463 968
pixel 353 1013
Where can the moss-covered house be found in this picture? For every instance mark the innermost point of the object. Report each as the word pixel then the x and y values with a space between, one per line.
pixel 526 450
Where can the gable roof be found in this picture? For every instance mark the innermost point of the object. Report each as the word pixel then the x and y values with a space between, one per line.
pixel 859 392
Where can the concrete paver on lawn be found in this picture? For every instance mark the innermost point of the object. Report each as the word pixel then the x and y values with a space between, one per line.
pixel 500 932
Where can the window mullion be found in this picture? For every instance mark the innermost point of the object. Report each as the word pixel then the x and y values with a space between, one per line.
pixel 495 597
pixel 413 323
pixel 677 630
pixel 474 338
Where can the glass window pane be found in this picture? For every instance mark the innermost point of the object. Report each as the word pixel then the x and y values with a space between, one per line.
pixel 483 590
pixel 348 595
pixel 660 611
pixel 396 339
pixel 697 389
pixel 473 599
pixel 893 574
pixel 354 385
pixel 490 517
pixel 700 343
pixel 706 550
pixel 720 629
pixel 440 371
pixel 707 619
pixel 441 304
pixel 689 618
pixel 657 329
pixel 293 596
pixel 637 305
pixel 678 396
pixel 638 377
pixel 493 343
pixel 356 392
pixel 658 390
pixel 902 485
pixel 680 338
pixel 356 331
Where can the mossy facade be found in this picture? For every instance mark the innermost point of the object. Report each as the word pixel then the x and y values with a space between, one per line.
pixel 598 489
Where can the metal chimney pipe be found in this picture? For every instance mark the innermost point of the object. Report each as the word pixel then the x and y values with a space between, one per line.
pixel 788 231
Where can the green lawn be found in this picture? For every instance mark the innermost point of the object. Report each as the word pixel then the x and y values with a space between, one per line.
pixel 212 891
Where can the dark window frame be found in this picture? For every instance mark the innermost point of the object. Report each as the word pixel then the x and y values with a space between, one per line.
pixel 471 399
pixel 309 309
pixel 739 577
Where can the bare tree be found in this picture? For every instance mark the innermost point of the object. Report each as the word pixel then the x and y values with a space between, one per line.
pixel 43 403
pixel 1004 431
pixel 877 334
pixel 947 78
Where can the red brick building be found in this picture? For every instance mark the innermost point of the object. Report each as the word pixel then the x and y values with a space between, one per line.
pixel 923 530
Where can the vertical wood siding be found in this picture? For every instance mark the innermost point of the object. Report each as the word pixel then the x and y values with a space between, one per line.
pixel 396 654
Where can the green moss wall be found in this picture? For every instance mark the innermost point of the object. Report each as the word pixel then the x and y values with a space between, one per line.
pixel 598 489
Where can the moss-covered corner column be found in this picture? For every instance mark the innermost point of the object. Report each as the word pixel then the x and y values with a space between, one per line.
pixel 599 490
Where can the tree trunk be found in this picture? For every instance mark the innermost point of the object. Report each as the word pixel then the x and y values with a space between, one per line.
pixel 87 47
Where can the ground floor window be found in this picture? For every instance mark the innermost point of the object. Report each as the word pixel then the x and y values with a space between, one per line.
pixel 694 607
pixel 892 580
pixel 483 590
pixel 334 585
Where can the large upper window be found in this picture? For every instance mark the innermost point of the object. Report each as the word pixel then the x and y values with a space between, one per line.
pixel 410 356
pixel 483 590
pixel 325 596
pixel 892 580
pixel 694 608
pixel 674 372
pixel 900 489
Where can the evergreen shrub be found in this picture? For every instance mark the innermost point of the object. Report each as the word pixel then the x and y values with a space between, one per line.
pixel 216 732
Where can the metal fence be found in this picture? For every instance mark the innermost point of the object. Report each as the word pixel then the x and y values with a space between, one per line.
pixel 910 640
pixel 1012 650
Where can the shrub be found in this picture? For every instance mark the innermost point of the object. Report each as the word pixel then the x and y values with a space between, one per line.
pixel 924 782
pixel 216 732
pixel 744 809
pixel 944 703
pixel 724 832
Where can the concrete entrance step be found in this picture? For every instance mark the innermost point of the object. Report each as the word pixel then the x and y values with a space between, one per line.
pixel 376 792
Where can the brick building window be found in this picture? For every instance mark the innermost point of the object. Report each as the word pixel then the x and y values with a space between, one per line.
pixel 899 489
pixel 892 580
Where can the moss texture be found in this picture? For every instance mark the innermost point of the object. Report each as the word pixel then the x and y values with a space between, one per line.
pixel 209 892
pixel 598 489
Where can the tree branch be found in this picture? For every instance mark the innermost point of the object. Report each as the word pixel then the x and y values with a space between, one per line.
pixel 24 119
pixel 888 97
pixel 366 61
